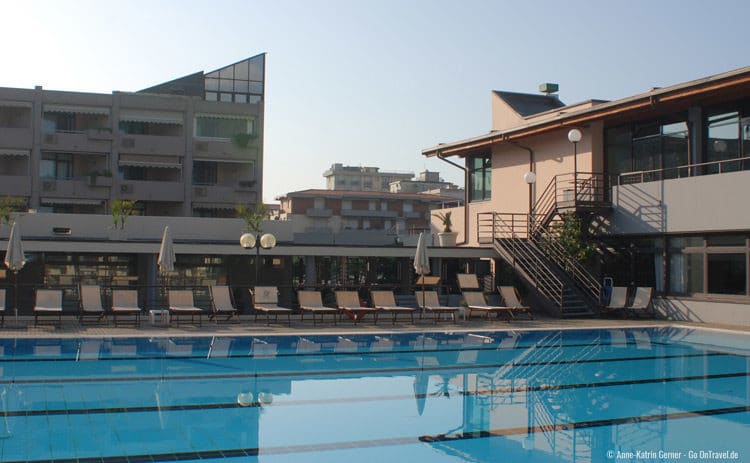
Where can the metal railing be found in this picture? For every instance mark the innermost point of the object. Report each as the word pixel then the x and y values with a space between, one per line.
pixel 568 191
pixel 688 170
pixel 494 227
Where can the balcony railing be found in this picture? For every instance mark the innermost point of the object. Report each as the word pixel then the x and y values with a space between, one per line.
pixel 688 170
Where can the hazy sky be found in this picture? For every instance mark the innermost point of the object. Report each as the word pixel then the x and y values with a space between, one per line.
pixel 373 82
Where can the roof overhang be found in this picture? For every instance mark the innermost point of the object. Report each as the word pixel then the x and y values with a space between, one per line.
pixel 650 103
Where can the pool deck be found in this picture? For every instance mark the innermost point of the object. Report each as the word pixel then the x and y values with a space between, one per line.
pixel 25 328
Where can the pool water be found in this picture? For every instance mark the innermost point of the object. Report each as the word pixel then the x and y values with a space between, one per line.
pixel 646 394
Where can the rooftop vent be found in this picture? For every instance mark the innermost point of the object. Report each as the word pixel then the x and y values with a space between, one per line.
pixel 549 88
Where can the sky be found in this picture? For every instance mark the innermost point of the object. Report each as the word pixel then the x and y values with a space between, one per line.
pixel 373 82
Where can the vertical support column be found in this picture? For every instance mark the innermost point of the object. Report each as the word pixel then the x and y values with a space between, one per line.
pixel 187 160
pixel 696 134
pixel 36 148
pixel 311 274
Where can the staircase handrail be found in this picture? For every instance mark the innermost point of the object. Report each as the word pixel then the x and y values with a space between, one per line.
pixel 571 265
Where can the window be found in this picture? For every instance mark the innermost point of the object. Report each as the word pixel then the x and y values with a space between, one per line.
pixel 715 264
pixel 647 147
pixel 56 165
pixel 204 173
pixel 218 127
pixel 480 177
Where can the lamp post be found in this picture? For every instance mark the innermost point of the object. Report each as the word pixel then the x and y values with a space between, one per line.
pixel 530 179
pixel 574 136
pixel 250 241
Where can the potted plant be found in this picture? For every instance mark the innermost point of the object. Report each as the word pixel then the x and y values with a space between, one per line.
pixel 448 237
pixel 121 210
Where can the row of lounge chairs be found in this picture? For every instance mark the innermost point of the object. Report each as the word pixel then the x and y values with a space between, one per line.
pixel 641 300
pixel 181 306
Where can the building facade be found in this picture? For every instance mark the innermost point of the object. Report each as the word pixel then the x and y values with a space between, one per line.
pixel 358 178
pixel 659 179
pixel 189 147
pixel 358 216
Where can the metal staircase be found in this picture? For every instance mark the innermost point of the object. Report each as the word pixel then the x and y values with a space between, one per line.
pixel 524 241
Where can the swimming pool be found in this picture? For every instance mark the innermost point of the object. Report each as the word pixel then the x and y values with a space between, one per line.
pixel 536 396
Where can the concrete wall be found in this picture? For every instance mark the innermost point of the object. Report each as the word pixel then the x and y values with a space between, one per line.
pixel 695 204
pixel 695 310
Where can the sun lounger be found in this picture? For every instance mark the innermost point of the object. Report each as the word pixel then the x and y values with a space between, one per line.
pixel 475 302
pixel 467 281
pixel 348 303
pixel 91 303
pixel 510 299
pixel 125 302
pixel 266 301
pixel 429 301
pixel 48 304
pixel 618 299
pixel 221 304
pixel 181 305
pixel 386 302
pixel 641 301
pixel 312 302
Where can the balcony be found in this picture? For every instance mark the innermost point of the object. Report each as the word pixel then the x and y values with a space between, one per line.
pixel 78 188
pixel 90 141
pixel 15 185
pixel 152 144
pixel 16 138
pixel 312 212
pixel 368 213
pixel 142 190
pixel 223 194
pixel 223 150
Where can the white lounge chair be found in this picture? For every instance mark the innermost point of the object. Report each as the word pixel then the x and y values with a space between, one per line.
pixel 48 304
pixel 312 301
pixel 475 302
pixel 181 305
pixel 618 299
pixel 511 299
pixel 266 301
pixel 385 301
pixel 348 303
pixel 221 304
pixel 429 301
pixel 91 303
pixel 125 302
pixel 642 301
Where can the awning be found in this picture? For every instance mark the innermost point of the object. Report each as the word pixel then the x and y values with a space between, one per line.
pixel 156 117
pixel 164 165
pixel 213 206
pixel 15 104
pixel 13 152
pixel 57 108
pixel 145 160
pixel 238 161
pixel 227 116
pixel 76 201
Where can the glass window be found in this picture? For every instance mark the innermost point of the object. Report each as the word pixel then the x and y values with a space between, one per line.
pixel 722 142
pixel 480 177
pixel 657 147
pixel 59 166
pixel 215 127
pixel 726 240
pixel 204 173
pixel 727 273
pixel 686 273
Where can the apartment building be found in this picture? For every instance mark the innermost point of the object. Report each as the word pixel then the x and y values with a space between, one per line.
pixel 359 178
pixel 189 147
pixel 660 180
pixel 335 212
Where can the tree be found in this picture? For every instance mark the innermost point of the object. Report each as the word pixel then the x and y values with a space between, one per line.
pixel 9 205
pixel 121 210
pixel 253 217
pixel 568 233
